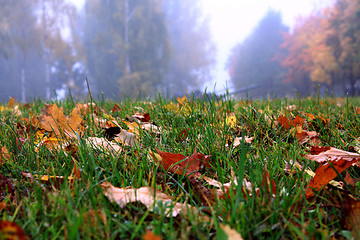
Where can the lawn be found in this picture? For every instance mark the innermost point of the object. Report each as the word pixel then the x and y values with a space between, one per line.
pixel 182 169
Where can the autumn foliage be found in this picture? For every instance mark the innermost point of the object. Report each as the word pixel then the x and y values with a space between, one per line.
pixel 154 166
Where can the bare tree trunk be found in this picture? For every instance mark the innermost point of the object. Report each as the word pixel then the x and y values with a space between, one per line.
pixel 47 76
pixel 46 56
pixel 126 39
pixel 23 80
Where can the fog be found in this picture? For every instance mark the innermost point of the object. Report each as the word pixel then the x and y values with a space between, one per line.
pixel 141 48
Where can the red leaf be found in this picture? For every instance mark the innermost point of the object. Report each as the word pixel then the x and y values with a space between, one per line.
pixel 339 159
pixel 180 164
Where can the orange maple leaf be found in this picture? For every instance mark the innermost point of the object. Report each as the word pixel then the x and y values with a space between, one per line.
pixel 52 119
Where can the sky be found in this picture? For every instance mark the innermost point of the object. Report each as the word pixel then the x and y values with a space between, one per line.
pixel 231 21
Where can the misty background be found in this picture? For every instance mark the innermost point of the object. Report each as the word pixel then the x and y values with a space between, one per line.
pixel 142 48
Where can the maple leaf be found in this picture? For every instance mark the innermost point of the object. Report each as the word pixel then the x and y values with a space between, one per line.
pixel 339 159
pixel 146 195
pixel 53 119
pixel 180 164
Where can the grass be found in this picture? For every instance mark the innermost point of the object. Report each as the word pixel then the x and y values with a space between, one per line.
pixel 48 213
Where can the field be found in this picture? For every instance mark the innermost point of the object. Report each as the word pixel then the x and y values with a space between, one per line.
pixel 182 169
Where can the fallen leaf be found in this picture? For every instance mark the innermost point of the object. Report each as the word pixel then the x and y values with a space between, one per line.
pixel 325 154
pixel 237 140
pixel 339 159
pixel 351 210
pixel 146 195
pixel 231 120
pixel 142 117
pixel 126 138
pixel 291 108
pixel 286 123
pixel 230 233
pixel 134 127
pixel 149 235
pixel 52 119
pixel 268 184
pixel 116 108
pixel 180 164
pixel 93 217
pixel 104 145
pixel 308 137
pixel 6 188
pixel 10 230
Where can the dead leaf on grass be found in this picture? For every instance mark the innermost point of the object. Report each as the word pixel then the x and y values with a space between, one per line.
pixel 149 235
pixel 10 230
pixel 308 137
pixel 230 233
pixel 180 164
pixel 339 159
pixel 103 144
pixel 52 119
pixel 146 195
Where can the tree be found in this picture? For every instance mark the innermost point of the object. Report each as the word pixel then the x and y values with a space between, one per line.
pixel 344 18
pixel 126 46
pixel 55 16
pixel 192 49
pixel 310 60
pixel 252 62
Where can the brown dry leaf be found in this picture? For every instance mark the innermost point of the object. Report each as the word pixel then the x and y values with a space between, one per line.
pixel 126 138
pixel 11 231
pixel 134 127
pixel 269 184
pixel 352 215
pixel 4 155
pixel 230 233
pixel 237 140
pixel 314 119
pixel 180 164
pixel 93 217
pixel 11 102
pixel 6 188
pixel 205 195
pixel 308 137
pixel 146 195
pixel 151 128
pixel 103 144
pixel 286 123
pixel 149 235
pixel 116 108
pixel 350 180
pixel 339 159
pixel 88 108
pixel 324 154
pixel 142 117
pixel 291 108
pixel 52 119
